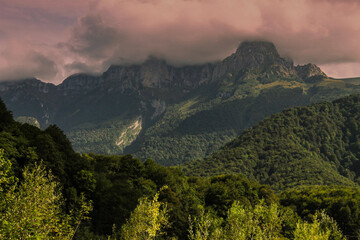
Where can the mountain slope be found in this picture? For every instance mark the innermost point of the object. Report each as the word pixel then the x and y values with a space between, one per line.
pixel 317 144
pixel 173 114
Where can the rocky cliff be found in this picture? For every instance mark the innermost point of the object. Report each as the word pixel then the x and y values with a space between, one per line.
pixel 253 55
pixel 80 82
pixel 310 73
pixel 156 73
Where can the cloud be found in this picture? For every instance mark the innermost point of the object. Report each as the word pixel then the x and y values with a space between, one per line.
pixel 94 39
pixel 197 31
pixel 31 63
pixel 78 67
pixel 322 32
pixel 179 31
pixel 337 70
pixel 91 35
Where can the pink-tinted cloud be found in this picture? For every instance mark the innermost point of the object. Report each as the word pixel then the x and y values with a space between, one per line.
pixel 73 36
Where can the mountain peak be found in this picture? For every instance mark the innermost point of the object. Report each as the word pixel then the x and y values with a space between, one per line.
pixel 257 47
pixel 259 55
pixel 153 60
pixel 80 81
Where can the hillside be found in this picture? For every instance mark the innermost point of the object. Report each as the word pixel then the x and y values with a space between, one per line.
pixel 114 185
pixel 172 114
pixel 122 188
pixel 317 144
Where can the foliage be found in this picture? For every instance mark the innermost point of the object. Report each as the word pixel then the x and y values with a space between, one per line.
pixel 115 184
pixel 222 191
pixel 5 174
pixel 260 222
pixel 205 227
pixel 322 227
pixel 317 144
pixel 339 202
pixel 34 210
pixel 147 221
pixel 186 133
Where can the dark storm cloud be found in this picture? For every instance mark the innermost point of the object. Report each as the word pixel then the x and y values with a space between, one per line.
pixel 100 33
pixel 93 38
pixel 198 31
pixel 178 42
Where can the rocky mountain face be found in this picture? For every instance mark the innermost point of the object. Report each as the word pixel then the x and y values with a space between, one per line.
pixel 80 82
pixel 180 112
pixel 253 55
pixel 156 73
pixel 310 73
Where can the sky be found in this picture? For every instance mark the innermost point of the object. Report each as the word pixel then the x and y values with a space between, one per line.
pixel 51 39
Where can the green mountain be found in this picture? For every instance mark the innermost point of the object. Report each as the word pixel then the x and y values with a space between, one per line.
pixel 173 114
pixel 114 185
pixel 121 189
pixel 318 144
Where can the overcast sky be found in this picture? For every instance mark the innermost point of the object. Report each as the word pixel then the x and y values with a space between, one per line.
pixel 52 39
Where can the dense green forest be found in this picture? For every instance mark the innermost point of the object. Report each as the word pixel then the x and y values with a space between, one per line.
pixel 67 195
pixel 317 144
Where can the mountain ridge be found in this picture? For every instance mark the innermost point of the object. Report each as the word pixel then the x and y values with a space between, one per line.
pixel 186 112
pixel 247 55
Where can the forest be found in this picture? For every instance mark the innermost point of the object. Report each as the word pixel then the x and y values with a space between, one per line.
pixel 316 144
pixel 48 191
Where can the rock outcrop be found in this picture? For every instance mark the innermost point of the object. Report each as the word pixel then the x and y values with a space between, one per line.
pixel 252 55
pixel 310 73
pixel 156 73
pixel 81 82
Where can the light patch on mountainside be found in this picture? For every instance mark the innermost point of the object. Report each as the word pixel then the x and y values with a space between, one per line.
pixel 284 84
pixel 129 134
pixel 355 81
pixel 160 107
pixel 332 83
pixel 29 120
pixel 188 105
pixel 110 137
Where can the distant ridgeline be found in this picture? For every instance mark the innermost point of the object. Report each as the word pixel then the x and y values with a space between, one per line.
pixel 317 144
pixel 173 114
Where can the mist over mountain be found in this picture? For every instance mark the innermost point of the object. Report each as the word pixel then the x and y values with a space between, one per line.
pixel 173 113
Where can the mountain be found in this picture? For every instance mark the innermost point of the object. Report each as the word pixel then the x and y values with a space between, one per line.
pixel 116 184
pixel 318 144
pixel 173 114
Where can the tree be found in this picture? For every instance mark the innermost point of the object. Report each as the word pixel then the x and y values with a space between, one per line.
pixel 205 227
pixel 7 181
pixel 323 227
pixel 34 209
pixel 260 222
pixel 147 221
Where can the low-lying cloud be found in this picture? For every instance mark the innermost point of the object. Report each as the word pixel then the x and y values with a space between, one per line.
pixel 100 33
